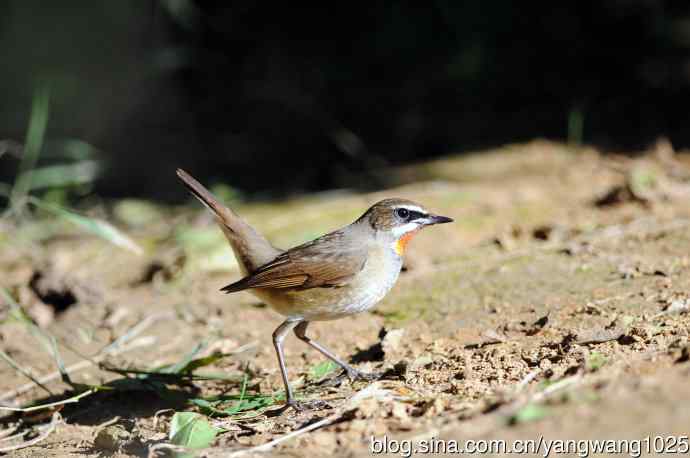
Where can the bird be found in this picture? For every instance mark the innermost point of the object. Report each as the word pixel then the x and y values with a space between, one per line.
pixel 339 274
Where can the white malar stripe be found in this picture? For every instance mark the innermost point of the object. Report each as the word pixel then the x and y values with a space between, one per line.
pixel 404 229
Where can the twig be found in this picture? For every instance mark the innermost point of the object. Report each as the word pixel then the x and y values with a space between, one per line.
pixel 556 387
pixel 136 330
pixel 153 450
pixel 108 422
pixel 141 342
pixel 7 433
pixel 269 445
pixel 51 427
pixel 14 435
pixel 8 359
pixel 51 404
pixel 156 417
pixel 525 381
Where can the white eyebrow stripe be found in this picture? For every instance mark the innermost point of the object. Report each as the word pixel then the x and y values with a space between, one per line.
pixel 413 208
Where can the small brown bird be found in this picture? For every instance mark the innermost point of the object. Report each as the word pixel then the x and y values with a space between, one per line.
pixel 336 275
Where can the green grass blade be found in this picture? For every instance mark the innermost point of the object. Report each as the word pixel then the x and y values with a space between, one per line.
pixel 95 226
pixel 44 338
pixel 322 369
pixel 62 175
pixel 180 367
pixel 530 412
pixel 243 391
pixel 40 110
pixel 8 359
pixel 14 306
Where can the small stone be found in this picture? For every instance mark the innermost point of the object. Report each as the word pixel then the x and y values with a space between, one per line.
pixel 367 408
pixel 421 362
pixel 678 306
pixel 112 438
pixel 391 342
pixel 400 411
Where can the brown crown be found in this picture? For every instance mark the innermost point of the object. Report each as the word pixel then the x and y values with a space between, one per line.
pixel 381 215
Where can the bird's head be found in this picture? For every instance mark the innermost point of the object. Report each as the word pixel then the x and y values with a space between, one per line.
pixel 397 220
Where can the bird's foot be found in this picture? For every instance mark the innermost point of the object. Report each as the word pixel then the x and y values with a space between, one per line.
pixel 351 375
pixel 354 374
pixel 302 406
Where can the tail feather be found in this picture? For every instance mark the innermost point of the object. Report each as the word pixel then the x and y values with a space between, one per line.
pixel 205 196
pixel 251 248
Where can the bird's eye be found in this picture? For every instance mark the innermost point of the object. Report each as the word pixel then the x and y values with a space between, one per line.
pixel 403 213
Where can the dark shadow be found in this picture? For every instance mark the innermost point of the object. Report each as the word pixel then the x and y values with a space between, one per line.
pixel 52 292
pixel 372 354
pixel 106 405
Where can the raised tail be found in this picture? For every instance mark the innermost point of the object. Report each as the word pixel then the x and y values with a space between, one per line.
pixel 205 196
pixel 251 249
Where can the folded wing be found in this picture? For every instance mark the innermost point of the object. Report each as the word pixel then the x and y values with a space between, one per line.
pixel 329 261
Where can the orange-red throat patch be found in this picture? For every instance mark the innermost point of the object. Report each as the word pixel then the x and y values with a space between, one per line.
pixel 402 242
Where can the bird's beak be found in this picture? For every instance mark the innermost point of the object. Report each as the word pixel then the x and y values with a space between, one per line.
pixel 436 219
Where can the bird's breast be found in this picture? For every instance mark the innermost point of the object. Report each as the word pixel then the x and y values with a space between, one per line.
pixel 378 276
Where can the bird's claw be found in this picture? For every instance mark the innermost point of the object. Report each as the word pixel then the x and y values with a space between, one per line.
pixel 354 375
pixel 301 406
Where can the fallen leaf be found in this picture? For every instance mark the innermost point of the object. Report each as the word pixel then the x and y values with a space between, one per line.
pixel 191 430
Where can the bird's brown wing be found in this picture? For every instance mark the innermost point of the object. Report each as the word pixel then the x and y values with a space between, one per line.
pixel 328 261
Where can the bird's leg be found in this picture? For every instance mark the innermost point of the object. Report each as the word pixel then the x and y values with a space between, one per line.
pixel 352 373
pixel 278 337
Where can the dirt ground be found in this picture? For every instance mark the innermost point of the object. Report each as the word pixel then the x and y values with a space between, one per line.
pixel 556 305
